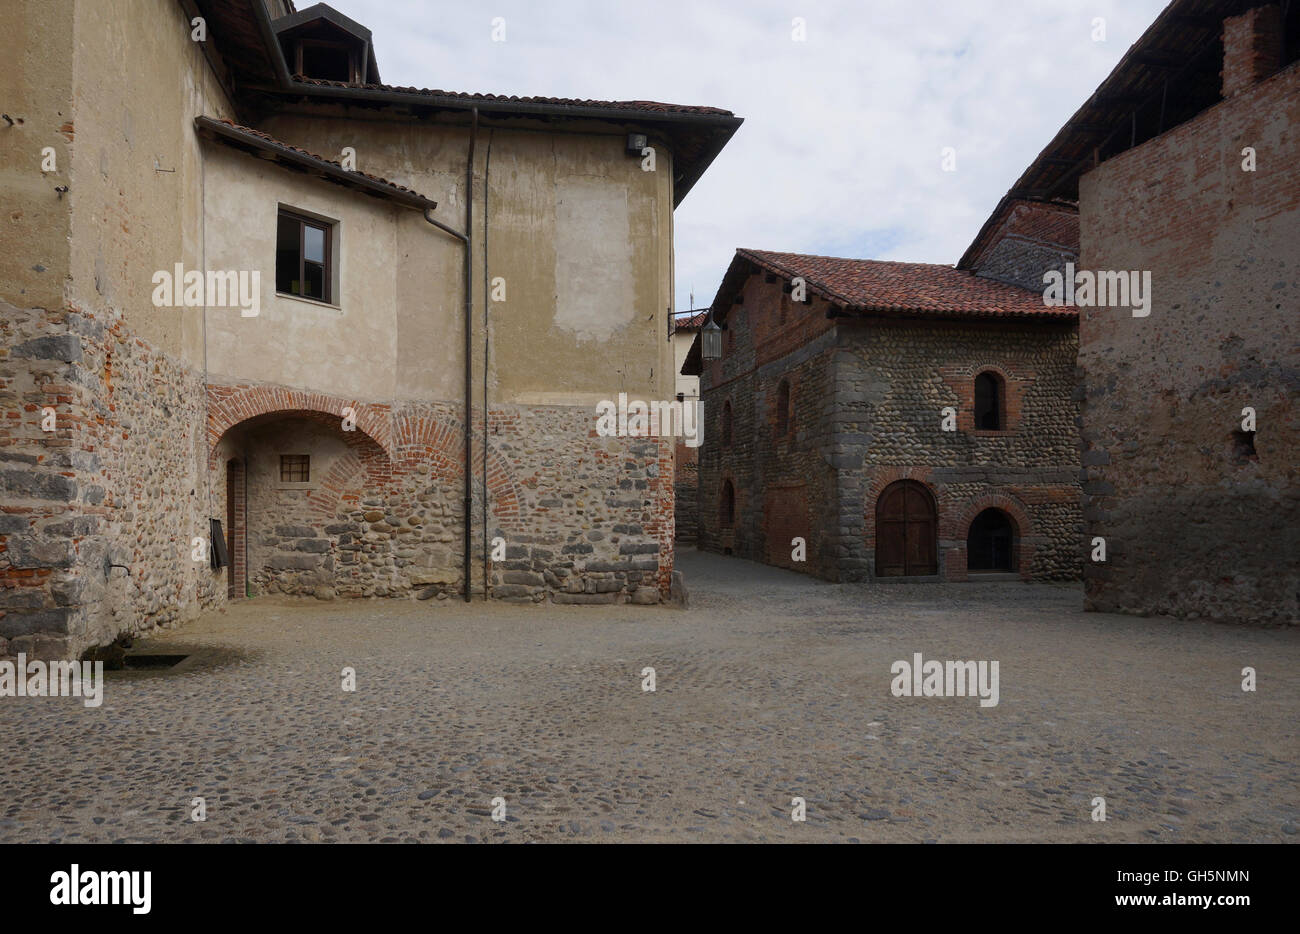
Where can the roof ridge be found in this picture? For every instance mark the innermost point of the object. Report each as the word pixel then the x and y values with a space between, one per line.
pixel 639 105
pixel 847 259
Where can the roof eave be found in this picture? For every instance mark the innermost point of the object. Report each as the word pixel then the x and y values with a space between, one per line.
pixel 209 128
pixel 723 126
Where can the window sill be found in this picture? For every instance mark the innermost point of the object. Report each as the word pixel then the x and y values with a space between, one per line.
pixel 308 301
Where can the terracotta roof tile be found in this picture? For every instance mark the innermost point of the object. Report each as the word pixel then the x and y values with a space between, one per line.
pixel 691 319
pixel 267 139
pixel 651 107
pixel 921 288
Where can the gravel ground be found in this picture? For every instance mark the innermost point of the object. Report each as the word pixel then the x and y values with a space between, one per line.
pixel 771 686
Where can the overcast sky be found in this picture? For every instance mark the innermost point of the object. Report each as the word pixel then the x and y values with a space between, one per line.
pixel 840 153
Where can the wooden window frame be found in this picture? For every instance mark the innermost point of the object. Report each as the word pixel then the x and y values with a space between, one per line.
pixel 327 276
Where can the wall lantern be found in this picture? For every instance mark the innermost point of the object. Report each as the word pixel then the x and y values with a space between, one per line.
pixel 636 143
pixel 710 339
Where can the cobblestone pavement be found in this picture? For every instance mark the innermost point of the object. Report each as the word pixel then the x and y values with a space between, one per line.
pixel 770 686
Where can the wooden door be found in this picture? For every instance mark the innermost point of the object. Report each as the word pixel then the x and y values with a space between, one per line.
pixel 906 531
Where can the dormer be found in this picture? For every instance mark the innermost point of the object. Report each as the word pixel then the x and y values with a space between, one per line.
pixel 320 42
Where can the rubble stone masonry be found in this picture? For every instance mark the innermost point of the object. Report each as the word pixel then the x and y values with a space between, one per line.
pixel 118 482
pixel 131 476
pixel 865 401
pixel 582 518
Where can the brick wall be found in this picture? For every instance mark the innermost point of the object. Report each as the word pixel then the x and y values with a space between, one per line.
pixel 685 492
pixel 772 340
pixel 865 399
pixel 1192 528
pixel 1252 47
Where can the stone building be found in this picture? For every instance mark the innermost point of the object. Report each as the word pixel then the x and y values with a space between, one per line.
pixel 1185 164
pixel 686 326
pixel 364 328
pixel 901 419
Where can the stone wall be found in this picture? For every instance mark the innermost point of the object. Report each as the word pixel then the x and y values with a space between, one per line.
pixel 583 518
pixel 117 482
pixel 1026 240
pixel 866 398
pixel 894 377
pixel 783 480
pixel 1024 262
pixel 1195 524
pixel 121 481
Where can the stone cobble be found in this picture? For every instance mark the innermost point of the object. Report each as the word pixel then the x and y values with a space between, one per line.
pixel 772 685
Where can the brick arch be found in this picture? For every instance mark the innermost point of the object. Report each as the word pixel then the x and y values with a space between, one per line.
pixel 728 483
pixel 229 406
pixel 726 535
pixel 958 529
pixel 882 478
pixel 385 444
pixel 436 440
pixel 338 487
pixel 1015 383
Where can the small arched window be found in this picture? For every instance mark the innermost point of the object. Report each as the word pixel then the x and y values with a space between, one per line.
pixel 988 402
pixel 783 408
pixel 727 505
pixel 726 423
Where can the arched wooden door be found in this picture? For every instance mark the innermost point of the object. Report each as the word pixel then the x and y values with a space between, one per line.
pixel 906 531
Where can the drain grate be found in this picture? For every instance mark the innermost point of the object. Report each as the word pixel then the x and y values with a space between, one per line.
pixel 136 662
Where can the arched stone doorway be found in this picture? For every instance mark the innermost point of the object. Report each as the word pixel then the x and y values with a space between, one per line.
pixel 302 492
pixel 991 542
pixel 906 531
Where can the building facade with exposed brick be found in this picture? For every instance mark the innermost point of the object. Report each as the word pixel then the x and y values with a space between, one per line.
pixel 1185 165
pixel 826 417
pixel 405 403
pixel 687 477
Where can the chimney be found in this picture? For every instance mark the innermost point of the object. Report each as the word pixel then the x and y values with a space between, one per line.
pixel 1252 48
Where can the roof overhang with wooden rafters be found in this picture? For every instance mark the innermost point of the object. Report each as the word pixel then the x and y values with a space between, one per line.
pixel 1171 74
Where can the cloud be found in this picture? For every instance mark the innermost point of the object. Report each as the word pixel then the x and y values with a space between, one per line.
pixel 840 152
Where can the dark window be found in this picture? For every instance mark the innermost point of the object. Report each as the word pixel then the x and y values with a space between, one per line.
pixel 990 545
pixel 326 60
pixel 988 402
pixel 302 257
pixel 783 409
pixel 727 505
pixel 726 423
pixel 1243 447
pixel 295 468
